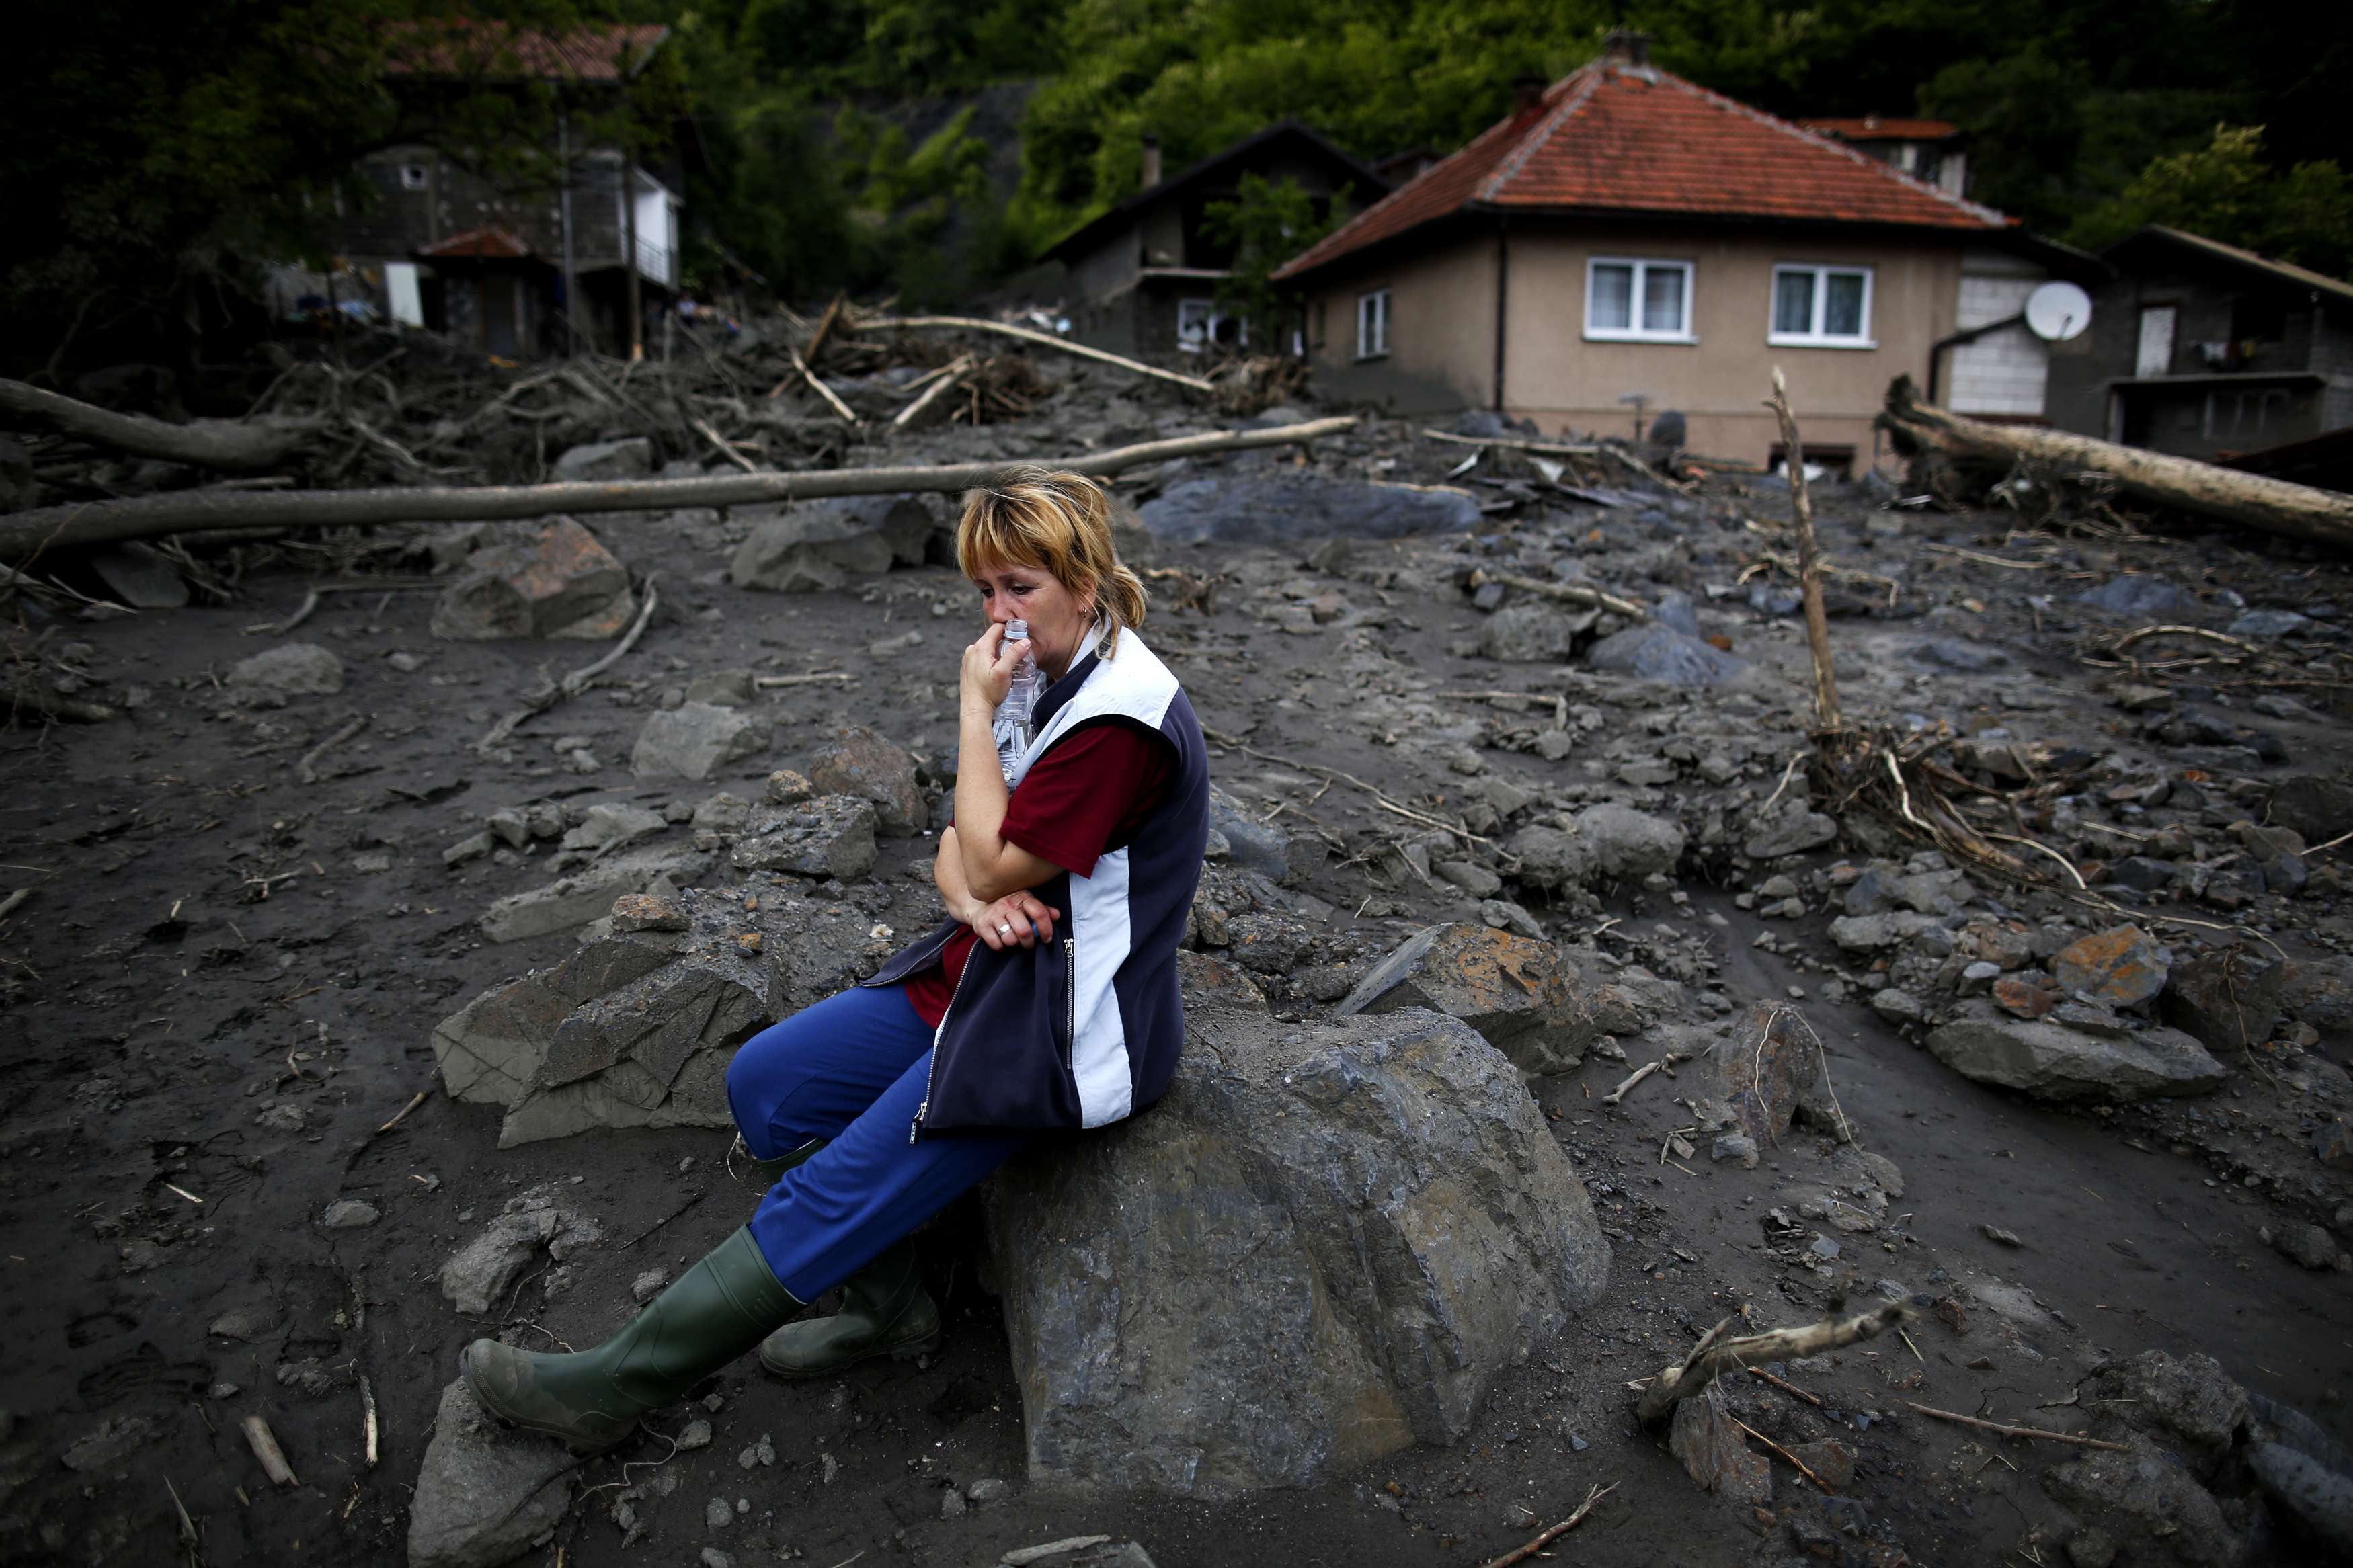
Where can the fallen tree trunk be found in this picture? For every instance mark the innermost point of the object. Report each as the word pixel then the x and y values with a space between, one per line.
pixel 230 446
pixel 2275 506
pixel 153 517
pixel 1044 340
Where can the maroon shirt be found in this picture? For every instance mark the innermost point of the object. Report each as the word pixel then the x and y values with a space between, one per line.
pixel 1088 795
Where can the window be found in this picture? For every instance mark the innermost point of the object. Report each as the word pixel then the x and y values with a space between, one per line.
pixel 1638 301
pixel 1373 324
pixel 1201 325
pixel 412 176
pixel 1821 307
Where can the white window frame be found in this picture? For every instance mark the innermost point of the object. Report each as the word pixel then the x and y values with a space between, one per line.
pixel 1373 312
pixel 1814 337
pixel 1634 331
pixel 415 176
pixel 1207 317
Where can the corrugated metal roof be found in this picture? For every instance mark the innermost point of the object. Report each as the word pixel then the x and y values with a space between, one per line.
pixel 1626 139
pixel 460 46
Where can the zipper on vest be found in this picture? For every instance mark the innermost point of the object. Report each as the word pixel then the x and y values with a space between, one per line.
pixel 1071 998
pixel 932 1072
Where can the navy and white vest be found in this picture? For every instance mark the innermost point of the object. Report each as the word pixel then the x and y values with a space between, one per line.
pixel 1085 1029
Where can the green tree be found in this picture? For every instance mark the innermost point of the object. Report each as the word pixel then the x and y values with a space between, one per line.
pixel 2224 190
pixel 1267 223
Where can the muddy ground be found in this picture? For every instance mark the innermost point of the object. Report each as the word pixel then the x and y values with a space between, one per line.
pixel 202 947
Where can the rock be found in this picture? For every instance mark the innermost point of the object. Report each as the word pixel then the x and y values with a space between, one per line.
pixel 2155 1510
pixel 480 1273
pixel 1251 844
pixel 832 836
pixel 2050 1061
pixel 2332 1145
pixel 858 762
pixel 1656 652
pixel 577 899
pixel 817 548
pixel 1872 933
pixel 1622 844
pixel 1529 632
pixel 139 576
pixel 1516 993
pixel 2316 1493
pixel 725 689
pixel 613 824
pixel 695 740
pixel 2309 1245
pixel 2121 967
pixel 290 669
pixel 637 1029
pixel 1766 1069
pixel 1282 509
pixel 541 580
pixel 107 1443
pixel 1898 1007
pixel 1735 1146
pixel 632 458
pixel 2229 998
pixel 2317 807
pixel 2143 596
pixel 1324 1244
pixel 1792 829
pixel 2187 1403
pixel 2022 996
pixel 349 1213
pixel 1502 914
pixel 1948 653
pixel 987 1490
pixel 1831 1459
pixel 1717 1455
pixel 484 1495
pixel 2269 624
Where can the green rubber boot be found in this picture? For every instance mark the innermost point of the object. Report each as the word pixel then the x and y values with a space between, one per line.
pixel 885 1311
pixel 592 1399
pixel 760 1174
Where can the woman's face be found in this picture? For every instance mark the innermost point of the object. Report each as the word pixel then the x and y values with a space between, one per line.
pixel 1059 621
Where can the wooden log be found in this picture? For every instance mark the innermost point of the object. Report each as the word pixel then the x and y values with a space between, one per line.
pixel 1044 340
pixel 231 445
pixel 1810 560
pixel 2257 500
pixel 25 533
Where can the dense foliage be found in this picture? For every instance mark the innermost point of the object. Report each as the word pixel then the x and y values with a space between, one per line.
pixel 933 146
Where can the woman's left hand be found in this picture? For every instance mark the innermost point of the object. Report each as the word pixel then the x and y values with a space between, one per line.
pixel 987 673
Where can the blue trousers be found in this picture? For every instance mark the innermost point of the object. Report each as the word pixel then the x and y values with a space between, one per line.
pixel 851 1069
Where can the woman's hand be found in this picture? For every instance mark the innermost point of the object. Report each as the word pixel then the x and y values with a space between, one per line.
pixel 1016 919
pixel 987 673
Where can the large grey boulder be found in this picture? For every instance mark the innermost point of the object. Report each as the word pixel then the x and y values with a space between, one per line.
pixel 1327 1243
pixel 290 669
pixel 485 1495
pixel 819 547
pixel 540 580
pixel 1515 992
pixel 858 762
pixel 2051 1061
pixel 631 457
pixel 695 741
pixel 1253 845
pixel 1602 843
pixel 832 836
pixel 1654 651
pixel 636 1029
pixel 1534 631
pixel 1282 509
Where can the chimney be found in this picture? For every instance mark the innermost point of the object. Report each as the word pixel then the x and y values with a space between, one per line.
pixel 1151 162
pixel 1627 47
pixel 1527 94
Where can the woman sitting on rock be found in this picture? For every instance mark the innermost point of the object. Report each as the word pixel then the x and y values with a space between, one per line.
pixel 1045 1002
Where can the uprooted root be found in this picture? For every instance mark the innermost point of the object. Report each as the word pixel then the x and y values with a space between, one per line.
pixel 1714 1354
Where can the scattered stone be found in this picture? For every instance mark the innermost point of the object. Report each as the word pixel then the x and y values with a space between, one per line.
pixel 696 1436
pixel 2050 1061
pixel 1516 993
pixel 141 576
pixel 2317 807
pixel 1766 1069
pixel 987 1490
pixel 817 548
pixel 1324 1244
pixel 1536 631
pixel 2309 1245
pixel 1898 1007
pixel 832 836
pixel 2127 596
pixel 1654 651
pixel 613 824
pixel 2121 967
pixel 2152 1509
pixel 1717 1455
pixel 695 741
pixel 575 900
pixel 107 1443
pixel 1622 844
pixel 723 688
pixel 1793 829
pixel 2024 997
pixel 541 580
pixel 649 1285
pixel 482 1272
pixel 1253 845
pixel 858 762
pixel 290 669
pixel 1280 509
pixel 484 1495
pixel 2229 998
pixel 1994 1233
pixel 2332 1145
pixel 349 1213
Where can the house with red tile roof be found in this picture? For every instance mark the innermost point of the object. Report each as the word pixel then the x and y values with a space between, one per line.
pixel 1932 150
pixel 1627 235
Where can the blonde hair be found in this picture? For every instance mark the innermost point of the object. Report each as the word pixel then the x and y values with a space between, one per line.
pixel 1054 522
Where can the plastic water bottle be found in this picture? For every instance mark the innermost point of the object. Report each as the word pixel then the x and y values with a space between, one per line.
pixel 1012 728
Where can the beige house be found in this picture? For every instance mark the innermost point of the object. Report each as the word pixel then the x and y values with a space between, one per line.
pixel 1627 243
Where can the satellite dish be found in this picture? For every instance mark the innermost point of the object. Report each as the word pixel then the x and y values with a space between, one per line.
pixel 2057 312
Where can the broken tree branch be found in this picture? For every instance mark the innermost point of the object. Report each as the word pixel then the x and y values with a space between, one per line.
pixel 1567 592
pixel 232 446
pixel 1716 1354
pixel 821 389
pixel 1810 559
pixel 1044 340
pixel 1529 1548
pixel 307 770
pixel 2020 1431
pixel 950 376
pixel 2274 506
pixel 573 684
pixel 1519 443
pixel 25 533
pixel 264 1444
